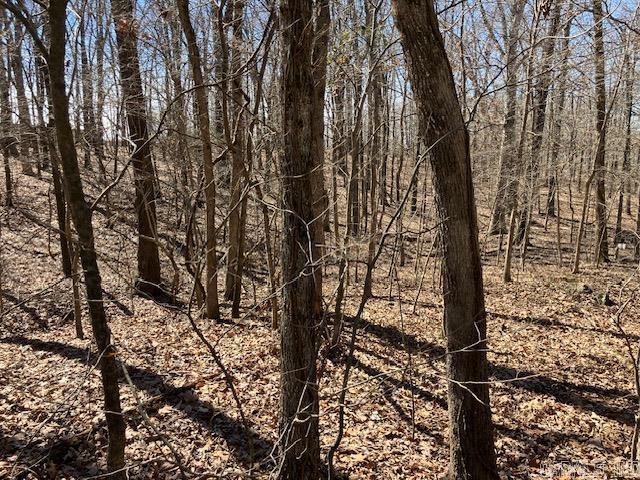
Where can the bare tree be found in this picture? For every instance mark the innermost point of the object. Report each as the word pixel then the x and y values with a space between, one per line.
pixel 202 104
pixel 134 102
pixel 471 441
pixel 299 406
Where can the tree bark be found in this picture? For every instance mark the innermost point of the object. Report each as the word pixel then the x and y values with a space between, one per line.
pixel 202 105
pixel 472 453
pixel 299 406
pixel 506 190
pixel 602 250
pixel 149 280
pixel 235 125
pixel 81 215
pixel 320 199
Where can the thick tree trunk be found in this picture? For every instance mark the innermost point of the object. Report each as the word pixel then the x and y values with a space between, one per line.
pixel 472 453
pixel 81 215
pixel 134 102
pixel 299 406
pixel 202 105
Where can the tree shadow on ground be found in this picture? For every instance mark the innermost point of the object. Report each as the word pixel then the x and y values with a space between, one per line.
pixel 546 322
pixel 238 438
pixel 563 391
pixel 31 311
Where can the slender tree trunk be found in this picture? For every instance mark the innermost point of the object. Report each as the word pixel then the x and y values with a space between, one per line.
pixel 54 161
pixel 505 194
pixel 202 105
pixel 472 452
pixel 602 249
pixel 320 199
pixel 626 159
pixel 92 139
pixel 236 134
pixel 6 142
pixel 538 119
pixel 81 215
pixel 557 124
pixel 26 134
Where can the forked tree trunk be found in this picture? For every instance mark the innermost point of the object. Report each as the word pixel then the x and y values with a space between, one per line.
pixel 134 103
pixel 81 215
pixel 299 406
pixel 472 453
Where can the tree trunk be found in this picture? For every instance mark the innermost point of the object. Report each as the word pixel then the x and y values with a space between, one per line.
pixel 202 105
pixel 552 193
pixel 602 250
pixel 54 161
pixel 92 139
pixel 626 159
pixel 236 135
pixel 505 194
pixel 320 199
pixel 25 128
pixel 81 215
pixel 472 453
pixel 134 103
pixel 538 120
pixel 6 142
pixel 299 406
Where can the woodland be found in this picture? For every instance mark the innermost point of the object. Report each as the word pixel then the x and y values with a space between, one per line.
pixel 319 239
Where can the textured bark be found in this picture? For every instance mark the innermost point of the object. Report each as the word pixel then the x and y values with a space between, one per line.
pixel 202 105
pixel 626 159
pixel 320 199
pixel 538 120
pixel 506 190
pixel 81 215
pixel 299 406
pixel 134 103
pixel 6 140
pixel 25 127
pixel 472 453
pixel 236 127
pixel 54 161
pixel 602 250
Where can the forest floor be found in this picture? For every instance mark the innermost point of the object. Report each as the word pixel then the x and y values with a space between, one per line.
pixel 562 389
